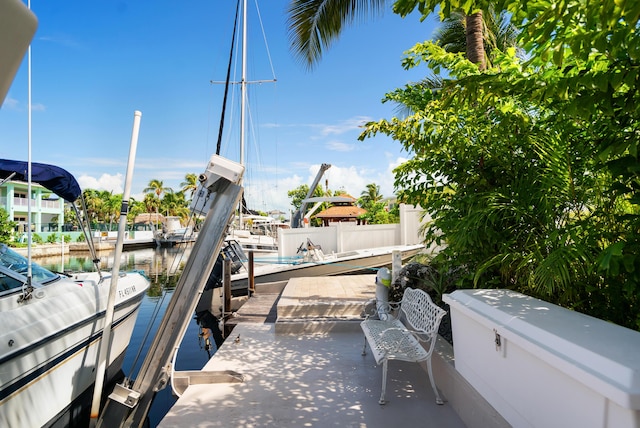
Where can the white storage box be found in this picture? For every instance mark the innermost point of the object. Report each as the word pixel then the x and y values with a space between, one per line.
pixel 540 365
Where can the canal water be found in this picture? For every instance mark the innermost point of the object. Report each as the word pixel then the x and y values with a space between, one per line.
pixel 163 267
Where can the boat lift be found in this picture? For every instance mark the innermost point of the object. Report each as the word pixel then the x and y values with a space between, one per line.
pixel 218 195
pixel 296 220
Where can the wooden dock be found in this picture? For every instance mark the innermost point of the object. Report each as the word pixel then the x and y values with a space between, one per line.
pixel 259 308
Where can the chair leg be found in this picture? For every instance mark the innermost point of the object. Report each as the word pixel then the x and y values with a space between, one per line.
pixel 384 381
pixel 364 347
pixel 433 383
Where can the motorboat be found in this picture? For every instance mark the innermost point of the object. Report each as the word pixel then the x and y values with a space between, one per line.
pixel 173 233
pixel 309 261
pixel 257 233
pixel 51 331
pixel 53 323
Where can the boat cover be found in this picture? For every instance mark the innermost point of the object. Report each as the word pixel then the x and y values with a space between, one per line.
pixel 54 178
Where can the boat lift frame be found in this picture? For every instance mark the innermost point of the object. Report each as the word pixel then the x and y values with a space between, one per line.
pixel 218 195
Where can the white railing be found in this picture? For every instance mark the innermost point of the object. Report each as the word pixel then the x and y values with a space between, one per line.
pixel 45 203
pixel 22 202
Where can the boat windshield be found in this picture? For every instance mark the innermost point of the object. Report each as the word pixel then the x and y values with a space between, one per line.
pixel 18 264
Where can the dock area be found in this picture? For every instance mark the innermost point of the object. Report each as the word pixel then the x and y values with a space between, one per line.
pixel 298 362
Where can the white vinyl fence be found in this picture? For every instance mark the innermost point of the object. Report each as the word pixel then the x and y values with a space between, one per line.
pixel 343 237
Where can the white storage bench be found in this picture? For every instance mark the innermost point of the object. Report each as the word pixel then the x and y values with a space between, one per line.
pixel 540 365
pixel 402 336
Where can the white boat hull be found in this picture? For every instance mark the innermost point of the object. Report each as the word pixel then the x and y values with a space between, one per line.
pixel 332 264
pixel 49 345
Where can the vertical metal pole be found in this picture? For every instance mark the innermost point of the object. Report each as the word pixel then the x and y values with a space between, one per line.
pixel 252 279
pixel 29 255
pixel 226 283
pixel 105 342
pixel 243 98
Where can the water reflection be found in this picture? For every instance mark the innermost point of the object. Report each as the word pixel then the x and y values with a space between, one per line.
pixel 156 263
pixel 163 266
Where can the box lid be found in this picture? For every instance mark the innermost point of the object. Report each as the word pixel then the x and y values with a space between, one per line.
pixel 599 354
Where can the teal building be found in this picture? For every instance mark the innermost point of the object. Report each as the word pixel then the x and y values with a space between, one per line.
pixel 47 208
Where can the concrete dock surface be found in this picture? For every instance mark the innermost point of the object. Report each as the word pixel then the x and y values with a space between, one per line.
pixel 307 370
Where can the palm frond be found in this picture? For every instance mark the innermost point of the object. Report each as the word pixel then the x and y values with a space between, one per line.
pixel 315 24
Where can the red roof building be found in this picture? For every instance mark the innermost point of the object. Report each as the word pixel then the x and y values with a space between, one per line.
pixel 342 212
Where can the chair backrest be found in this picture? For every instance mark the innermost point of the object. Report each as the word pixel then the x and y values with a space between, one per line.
pixel 420 312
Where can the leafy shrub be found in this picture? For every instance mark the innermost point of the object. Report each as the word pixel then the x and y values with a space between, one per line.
pixel 6 226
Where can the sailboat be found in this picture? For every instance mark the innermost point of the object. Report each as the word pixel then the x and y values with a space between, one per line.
pixel 52 323
pixel 252 231
pixel 307 259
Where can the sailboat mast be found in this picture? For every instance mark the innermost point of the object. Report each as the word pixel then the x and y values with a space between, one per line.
pixel 243 82
pixel 29 237
pixel 243 92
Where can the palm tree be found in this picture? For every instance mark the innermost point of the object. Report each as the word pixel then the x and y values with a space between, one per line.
pixel 498 33
pixel 176 204
pixel 156 187
pixel 371 195
pixel 475 39
pixel 190 184
pixel 93 204
pixel 112 207
pixel 151 203
pixel 315 24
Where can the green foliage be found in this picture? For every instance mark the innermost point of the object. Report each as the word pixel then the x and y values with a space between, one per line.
pixel 52 239
pixel 81 238
pixel 370 196
pixel 6 227
pixel 299 194
pixel 530 170
pixel 36 239
pixel 379 213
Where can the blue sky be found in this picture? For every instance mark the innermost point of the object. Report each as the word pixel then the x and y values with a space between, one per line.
pixel 95 63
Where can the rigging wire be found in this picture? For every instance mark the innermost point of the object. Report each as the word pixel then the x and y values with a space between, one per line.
pixel 226 86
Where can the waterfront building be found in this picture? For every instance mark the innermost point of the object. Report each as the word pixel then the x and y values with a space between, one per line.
pixel 47 209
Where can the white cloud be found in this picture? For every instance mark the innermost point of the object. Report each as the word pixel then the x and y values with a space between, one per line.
pixel 11 103
pixel 339 146
pixel 352 124
pixel 387 178
pixel 110 183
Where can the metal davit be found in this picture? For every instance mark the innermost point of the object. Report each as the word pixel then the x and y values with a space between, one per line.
pixel 217 196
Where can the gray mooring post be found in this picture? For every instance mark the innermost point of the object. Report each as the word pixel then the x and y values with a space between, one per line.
pixel 226 283
pixel 252 280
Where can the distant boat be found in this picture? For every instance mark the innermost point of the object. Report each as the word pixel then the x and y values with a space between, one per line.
pixel 140 235
pixel 257 233
pixel 173 233
pixel 52 324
